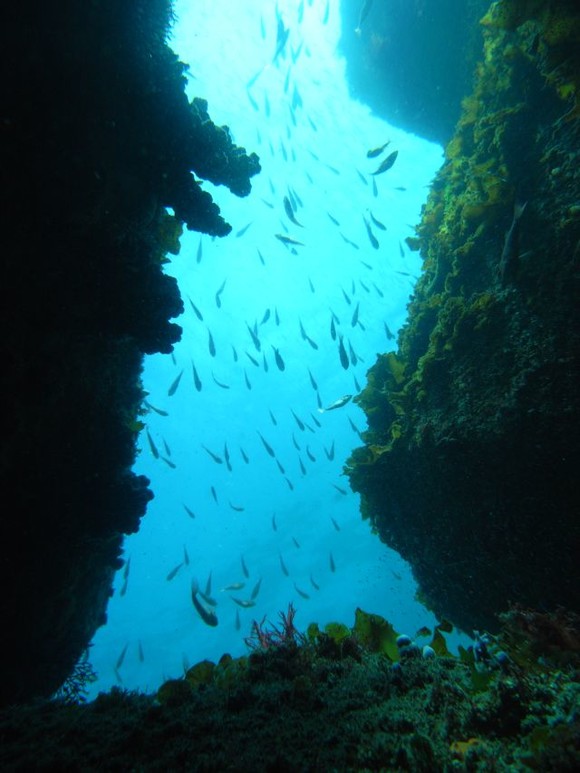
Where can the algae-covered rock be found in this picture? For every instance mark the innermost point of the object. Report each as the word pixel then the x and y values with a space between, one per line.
pixel 469 467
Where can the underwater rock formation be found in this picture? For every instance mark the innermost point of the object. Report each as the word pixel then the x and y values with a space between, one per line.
pixel 470 464
pixel 97 139
pixel 412 61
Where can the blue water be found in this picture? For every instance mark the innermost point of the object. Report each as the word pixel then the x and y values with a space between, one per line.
pixel 154 617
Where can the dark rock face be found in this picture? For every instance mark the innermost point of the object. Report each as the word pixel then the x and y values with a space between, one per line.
pixel 412 60
pixel 471 457
pixel 97 138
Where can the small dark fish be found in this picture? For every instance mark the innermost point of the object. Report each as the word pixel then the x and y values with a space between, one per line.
pixel 354 427
pixel 334 220
pixel 354 318
pixel 330 452
pixel 207 615
pixel 238 622
pixel 278 358
pixel 378 223
pixel 199 251
pixel 298 421
pixel 349 241
pixel 140 652
pixel 252 360
pixel 188 511
pixel 301 592
pixel 346 296
pixel 254 335
pixel 283 566
pixel 218 294
pixel 243 230
pixel 365 287
pixel 174 572
pixel 276 317
pixel 318 400
pixel 265 362
pixel 362 177
pixel 156 410
pixel 247 381
pixel 124 587
pixel 312 343
pixel 387 163
pixel 244 455
pixel 121 657
pixel 314 584
pixel 290 212
pixel 340 490
pixel 267 446
pixel 282 470
pixel 356 384
pixel 210 343
pixel 127 568
pixel 237 508
pixel 288 240
pixel 196 379
pixel 375 189
pixel 315 420
pixel 354 358
pixel 372 238
pixel 344 361
pixel 235 354
pixel 388 333
pixel 334 523
pixel 262 261
pixel 274 526
pixel 256 107
pixel 312 288
pixel 168 462
pixel 227 457
pixel 272 417
pixel 217 459
pixel 196 311
pixel 333 169
pixel 244 567
pixel 296 446
pixel 401 250
pixel 266 317
pixel 256 590
pixel 367 265
pixel 152 446
pixel 244 603
pixel 510 253
pixel 290 484
pixel 312 380
pixel 302 467
pixel 331 562
pixel 185 556
pixel 173 388
pixel 214 494
pixel 379 292
pixel 166 447
pixel 332 329
pixel 310 455
pixel 220 383
pixel 377 151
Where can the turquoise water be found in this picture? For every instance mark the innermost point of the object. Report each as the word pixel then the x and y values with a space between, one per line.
pixel 320 155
